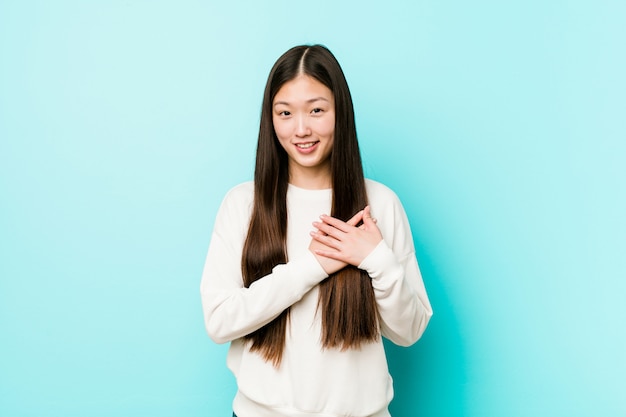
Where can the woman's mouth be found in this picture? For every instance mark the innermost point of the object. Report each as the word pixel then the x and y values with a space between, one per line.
pixel 306 147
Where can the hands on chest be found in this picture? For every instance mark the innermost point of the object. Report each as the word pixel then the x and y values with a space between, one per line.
pixel 336 243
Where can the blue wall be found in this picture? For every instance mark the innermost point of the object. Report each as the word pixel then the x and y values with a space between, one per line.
pixel 501 125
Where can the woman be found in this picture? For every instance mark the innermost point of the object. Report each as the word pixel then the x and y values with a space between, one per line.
pixel 299 277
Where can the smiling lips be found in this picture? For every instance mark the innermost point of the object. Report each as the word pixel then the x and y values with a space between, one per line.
pixel 306 147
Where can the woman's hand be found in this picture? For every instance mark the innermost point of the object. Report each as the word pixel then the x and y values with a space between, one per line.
pixel 328 264
pixel 344 242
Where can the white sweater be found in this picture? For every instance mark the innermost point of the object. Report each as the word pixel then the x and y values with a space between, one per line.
pixel 311 381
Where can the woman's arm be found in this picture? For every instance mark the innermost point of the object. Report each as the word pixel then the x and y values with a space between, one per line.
pixel 403 305
pixel 230 310
pixel 402 301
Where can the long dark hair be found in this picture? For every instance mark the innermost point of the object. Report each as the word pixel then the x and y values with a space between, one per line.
pixel 346 298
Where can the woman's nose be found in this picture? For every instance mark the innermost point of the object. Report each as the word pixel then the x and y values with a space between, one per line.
pixel 302 127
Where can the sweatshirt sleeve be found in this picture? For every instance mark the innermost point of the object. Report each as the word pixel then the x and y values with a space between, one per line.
pixel 403 304
pixel 230 310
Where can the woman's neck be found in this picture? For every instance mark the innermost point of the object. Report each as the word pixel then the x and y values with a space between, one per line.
pixel 310 179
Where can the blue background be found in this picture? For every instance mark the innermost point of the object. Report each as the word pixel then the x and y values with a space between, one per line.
pixel 500 124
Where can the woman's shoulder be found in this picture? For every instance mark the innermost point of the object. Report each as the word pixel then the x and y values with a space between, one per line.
pixel 379 191
pixel 246 187
pixel 392 218
pixel 240 196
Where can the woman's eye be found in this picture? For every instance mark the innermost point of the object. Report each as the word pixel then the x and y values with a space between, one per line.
pixel 284 113
pixel 317 110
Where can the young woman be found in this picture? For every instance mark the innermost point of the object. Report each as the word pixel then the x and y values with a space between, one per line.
pixel 299 277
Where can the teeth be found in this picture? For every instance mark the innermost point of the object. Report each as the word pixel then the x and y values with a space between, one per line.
pixel 305 145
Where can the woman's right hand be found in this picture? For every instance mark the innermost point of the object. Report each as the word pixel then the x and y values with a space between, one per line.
pixel 329 265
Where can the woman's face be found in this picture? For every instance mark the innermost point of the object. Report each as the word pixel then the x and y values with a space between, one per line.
pixel 303 113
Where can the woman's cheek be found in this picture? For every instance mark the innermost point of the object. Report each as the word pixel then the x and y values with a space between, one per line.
pixel 281 129
pixel 328 128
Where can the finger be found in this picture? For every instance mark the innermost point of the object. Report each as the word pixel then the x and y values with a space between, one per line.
pixel 367 215
pixel 336 223
pixel 356 218
pixel 326 229
pixel 367 212
pixel 325 240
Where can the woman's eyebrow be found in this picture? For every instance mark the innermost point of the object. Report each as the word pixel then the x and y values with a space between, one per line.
pixel 311 100
pixel 317 99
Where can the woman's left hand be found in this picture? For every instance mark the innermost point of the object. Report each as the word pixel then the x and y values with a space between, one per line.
pixel 350 244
